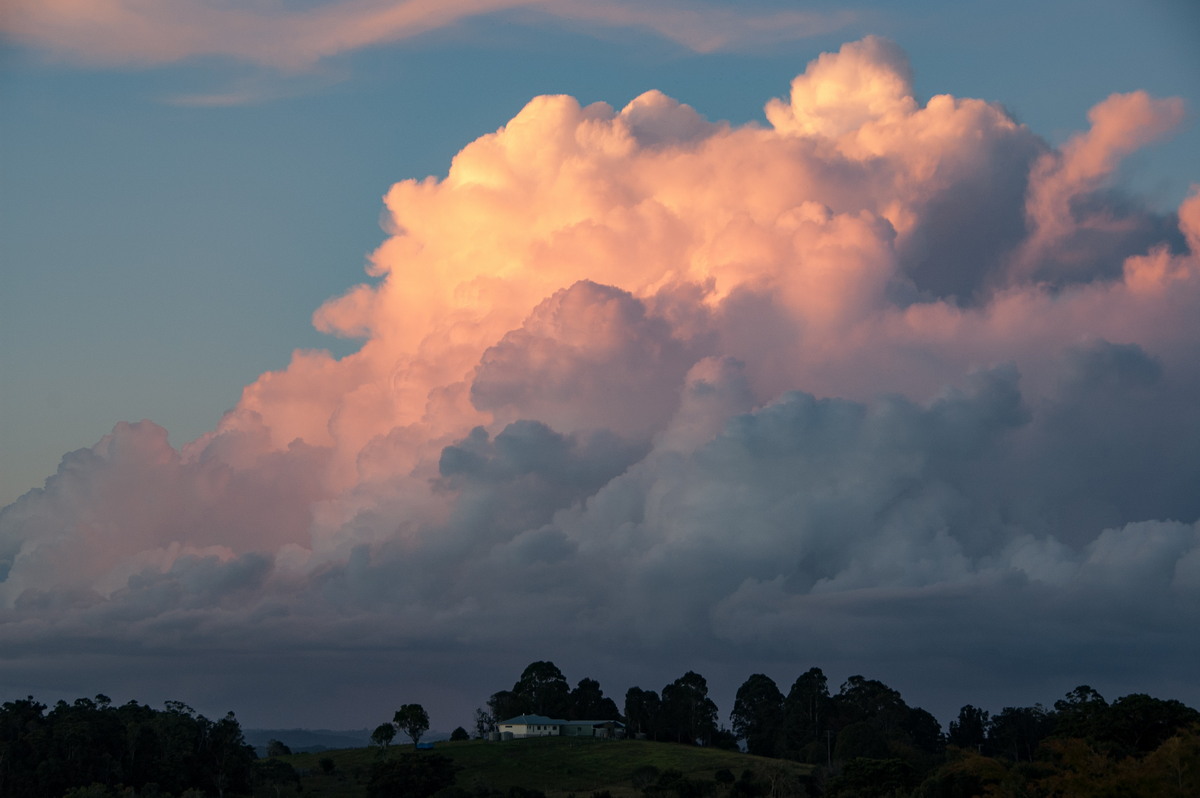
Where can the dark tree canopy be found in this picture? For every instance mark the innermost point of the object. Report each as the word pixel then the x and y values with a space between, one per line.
pixel 1080 713
pixel 689 715
pixel 1137 724
pixel 542 690
pixel 869 700
pixel 383 735
pixel 503 705
pixel 277 748
pixel 877 745
pixel 1016 732
pixel 412 720
pixel 642 712
pixel 588 702
pixel 970 729
pixel 922 731
pixel 757 715
pixel 806 712
pixel 92 742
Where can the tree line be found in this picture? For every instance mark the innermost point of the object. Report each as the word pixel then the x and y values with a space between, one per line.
pixel 867 740
pixel 71 747
pixel 864 740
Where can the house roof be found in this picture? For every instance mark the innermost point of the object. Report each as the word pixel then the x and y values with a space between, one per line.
pixel 542 720
pixel 531 720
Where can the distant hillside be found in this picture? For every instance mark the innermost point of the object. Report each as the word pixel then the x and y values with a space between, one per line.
pixel 556 766
pixel 311 740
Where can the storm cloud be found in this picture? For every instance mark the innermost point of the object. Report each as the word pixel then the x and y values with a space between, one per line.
pixel 887 384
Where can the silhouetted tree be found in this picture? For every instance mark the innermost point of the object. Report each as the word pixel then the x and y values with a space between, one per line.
pixel 806 717
pixel 227 754
pixel 543 690
pixel 869 700
pixel 413 720
pixel 922 731
pixel 505 704
pixel 642 712
pixel 1138 724
pixel 970 729
pixel 1015 732
pixel 277 748
pixel 459 735
pixel 1080 713
pixel 383 735
pixel 689 715
pixel 485 723
pixel 757 715
pixel 587 702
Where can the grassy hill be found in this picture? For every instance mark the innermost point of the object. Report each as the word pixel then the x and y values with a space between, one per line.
pixel 557 766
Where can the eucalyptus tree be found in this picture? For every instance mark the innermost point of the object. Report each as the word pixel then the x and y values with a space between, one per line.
pixel 757 715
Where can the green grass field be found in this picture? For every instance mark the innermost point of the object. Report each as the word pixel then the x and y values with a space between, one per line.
pixel 557 766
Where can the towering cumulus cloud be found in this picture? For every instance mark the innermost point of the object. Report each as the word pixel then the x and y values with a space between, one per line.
pixel 879 382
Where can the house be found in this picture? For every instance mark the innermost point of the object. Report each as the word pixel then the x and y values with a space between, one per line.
pixel 542 726
pixel 530 726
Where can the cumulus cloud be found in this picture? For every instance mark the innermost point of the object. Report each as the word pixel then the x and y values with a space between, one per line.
pixel 839 387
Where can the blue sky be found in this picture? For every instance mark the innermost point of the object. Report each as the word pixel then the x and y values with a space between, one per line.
pixel 172 215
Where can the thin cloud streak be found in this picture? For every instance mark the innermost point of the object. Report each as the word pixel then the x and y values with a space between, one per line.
pixel 118 32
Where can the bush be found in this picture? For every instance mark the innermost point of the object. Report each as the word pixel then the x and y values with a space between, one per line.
pixel 277 748
pixel 643 776
pixel 412 775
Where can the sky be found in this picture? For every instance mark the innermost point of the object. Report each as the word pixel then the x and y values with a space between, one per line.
pixel 361 352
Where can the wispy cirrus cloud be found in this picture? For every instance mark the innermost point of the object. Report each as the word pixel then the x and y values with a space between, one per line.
pixel 299 36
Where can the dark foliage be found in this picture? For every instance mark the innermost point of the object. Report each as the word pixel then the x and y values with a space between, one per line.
pixel 542 690
pixel 277 748
pixel 758 715
pixel 481 791
pixel 643 711
pixel 873 778
pixel 91 742
pixel 503 705
pixel 970 729
pixel 383 735
pixel 413 720
pixel 1016 732
pixel 275 775
pixel 688 714
pixel 674 784
pixel 806 718
pixel 413 775
pixel 485 723
pixel 588 702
